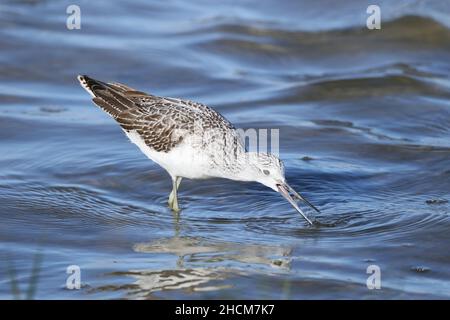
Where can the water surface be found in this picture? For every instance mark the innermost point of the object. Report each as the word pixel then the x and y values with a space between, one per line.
pixel 364 119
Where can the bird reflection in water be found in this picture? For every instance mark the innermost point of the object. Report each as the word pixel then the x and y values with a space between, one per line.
pixel 204 265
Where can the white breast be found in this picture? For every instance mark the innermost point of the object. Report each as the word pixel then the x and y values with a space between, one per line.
pixel 181 161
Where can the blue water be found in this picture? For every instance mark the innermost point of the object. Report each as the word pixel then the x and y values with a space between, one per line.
pixel 364 119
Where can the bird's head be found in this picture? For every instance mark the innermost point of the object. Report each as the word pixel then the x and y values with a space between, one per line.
pixel 268 170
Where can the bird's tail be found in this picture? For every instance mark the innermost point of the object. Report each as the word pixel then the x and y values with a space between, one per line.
pixel 108 96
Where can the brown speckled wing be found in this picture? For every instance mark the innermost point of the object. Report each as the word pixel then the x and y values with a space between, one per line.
pixel 163 123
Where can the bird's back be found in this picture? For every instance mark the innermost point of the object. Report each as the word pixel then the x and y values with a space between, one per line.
pixel 167 124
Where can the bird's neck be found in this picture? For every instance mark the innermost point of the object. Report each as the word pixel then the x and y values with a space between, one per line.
pixel 237 170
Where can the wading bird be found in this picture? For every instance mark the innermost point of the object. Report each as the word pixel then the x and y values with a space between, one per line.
pixel 188 139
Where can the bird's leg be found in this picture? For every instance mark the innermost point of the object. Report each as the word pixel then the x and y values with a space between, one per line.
pixel 174 191
pixel 173 199
pixel 176 184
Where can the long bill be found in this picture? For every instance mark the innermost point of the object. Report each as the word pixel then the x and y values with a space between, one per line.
pixel 302 198
pixel 284 190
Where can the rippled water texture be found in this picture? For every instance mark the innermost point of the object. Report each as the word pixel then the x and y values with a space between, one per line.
pixel 364 130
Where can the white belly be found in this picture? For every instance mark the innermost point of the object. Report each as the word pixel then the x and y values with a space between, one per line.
pixel 181 161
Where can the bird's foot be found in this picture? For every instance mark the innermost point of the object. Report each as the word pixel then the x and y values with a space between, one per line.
pixel 174 207
pixel 173 204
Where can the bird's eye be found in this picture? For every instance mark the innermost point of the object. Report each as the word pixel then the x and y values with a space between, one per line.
pixel 266 172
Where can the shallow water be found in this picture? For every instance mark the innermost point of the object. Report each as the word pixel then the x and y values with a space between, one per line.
pixel 364 119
